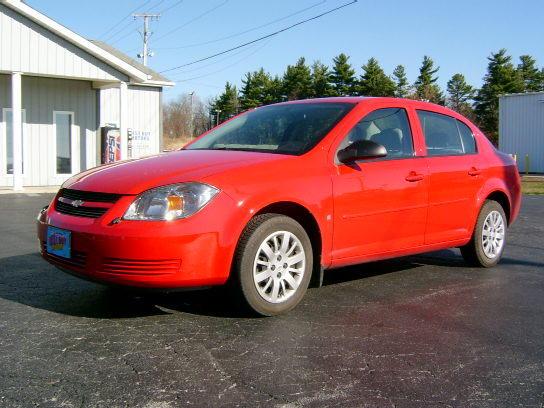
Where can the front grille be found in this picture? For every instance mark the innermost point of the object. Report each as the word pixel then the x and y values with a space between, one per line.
pixel 90 212
pixel 86 209
pixel 140 267
pixel 77 260
pixel 89 196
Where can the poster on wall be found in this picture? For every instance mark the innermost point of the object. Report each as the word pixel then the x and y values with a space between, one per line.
pixel 111 145
pixel 139 143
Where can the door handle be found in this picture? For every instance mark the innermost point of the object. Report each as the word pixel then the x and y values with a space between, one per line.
pixel 413 176
pixel 474 172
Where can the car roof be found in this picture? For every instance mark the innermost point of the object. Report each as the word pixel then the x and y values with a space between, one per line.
pixel 416 104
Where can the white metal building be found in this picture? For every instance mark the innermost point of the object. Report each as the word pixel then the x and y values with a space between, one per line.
pixel 521 128
pixel 58 90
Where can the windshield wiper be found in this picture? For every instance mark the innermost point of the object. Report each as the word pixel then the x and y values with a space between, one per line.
pixel 245 149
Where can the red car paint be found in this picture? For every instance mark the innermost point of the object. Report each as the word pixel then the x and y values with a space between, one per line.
pixel 376 210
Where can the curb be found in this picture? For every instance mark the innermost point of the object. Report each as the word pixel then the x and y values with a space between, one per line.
pixel 31 190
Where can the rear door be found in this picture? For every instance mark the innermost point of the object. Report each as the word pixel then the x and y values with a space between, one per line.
pixel 380 205
pixel 455 176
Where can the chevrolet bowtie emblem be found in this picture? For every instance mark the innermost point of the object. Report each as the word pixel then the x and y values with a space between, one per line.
pixel 73 203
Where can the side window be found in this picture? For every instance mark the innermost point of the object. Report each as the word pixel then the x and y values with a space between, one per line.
pixel 388 127
pixel 441 134
pixel 469 144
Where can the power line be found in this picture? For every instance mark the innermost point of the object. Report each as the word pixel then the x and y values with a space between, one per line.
pixel 124 18
pixel 126 35
pixel 162 12
pixel 157 5
pixel 115 34
pixel 262 38
pixel 192 20
pixel 171 7
pixel 226 67
pixel 245 31
pixel 130 23
pixel 234 54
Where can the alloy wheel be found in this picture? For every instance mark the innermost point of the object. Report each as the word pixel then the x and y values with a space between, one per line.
pixel 493 232
pixel 279 266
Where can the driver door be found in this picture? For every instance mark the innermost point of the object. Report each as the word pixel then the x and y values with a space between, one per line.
pixel 380 205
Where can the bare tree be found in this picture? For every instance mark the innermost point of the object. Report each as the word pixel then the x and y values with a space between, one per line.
pixel 184 118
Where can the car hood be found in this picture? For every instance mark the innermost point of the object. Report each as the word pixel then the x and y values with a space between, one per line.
pixel 135 176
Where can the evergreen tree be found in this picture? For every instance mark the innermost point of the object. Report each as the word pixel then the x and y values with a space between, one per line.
pixel 274 90
pixel 532 77
pixel 321 80
pixel 402 86
pixel 425 85
pixel 501 78
pixel 297 81
pixel 343 76
pixel 250 93
pixel 258 88
pixel 227 104
pixel 374 82
pixel 460 94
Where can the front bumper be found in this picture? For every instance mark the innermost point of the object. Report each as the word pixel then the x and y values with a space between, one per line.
pixel 191 252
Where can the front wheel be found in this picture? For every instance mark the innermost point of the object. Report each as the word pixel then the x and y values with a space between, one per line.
pixel 273 264
pixel 487 244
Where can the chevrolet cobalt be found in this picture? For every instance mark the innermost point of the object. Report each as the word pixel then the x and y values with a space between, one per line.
pixel 269 199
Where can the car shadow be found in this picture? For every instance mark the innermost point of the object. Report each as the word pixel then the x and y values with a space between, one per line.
pixel 366 270
pixel 29 280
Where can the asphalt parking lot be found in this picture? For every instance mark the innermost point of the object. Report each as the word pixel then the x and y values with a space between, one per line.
pixel 422 331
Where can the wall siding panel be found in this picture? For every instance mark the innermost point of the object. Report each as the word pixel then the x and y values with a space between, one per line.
pixel 109 106
pixel 29 48
pixel 521 128
pixel 143 113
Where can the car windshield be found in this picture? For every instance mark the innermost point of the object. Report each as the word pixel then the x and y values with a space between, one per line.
pixel 286 129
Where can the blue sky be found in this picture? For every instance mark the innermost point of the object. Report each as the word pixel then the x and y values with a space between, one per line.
pixel 458 36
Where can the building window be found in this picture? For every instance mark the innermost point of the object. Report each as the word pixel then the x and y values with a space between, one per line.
pixel 8 121
pixel 63 134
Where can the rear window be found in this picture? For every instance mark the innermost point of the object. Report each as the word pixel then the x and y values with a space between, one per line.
pixel 445 136
pixel 469 144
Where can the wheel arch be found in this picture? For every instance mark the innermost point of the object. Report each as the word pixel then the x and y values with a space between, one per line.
pixel 502 198
pixel 496 189
pixel 309 222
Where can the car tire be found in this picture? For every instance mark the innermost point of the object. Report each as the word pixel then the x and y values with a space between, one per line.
pixel 486 246
pixel 273 264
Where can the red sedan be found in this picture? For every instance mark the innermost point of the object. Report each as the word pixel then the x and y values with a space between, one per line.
pixel 271 198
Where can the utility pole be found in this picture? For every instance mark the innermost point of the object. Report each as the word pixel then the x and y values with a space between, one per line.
pixel 192 127
pixel 146 34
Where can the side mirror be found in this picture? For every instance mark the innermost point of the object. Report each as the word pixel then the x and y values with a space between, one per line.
pixel 361 149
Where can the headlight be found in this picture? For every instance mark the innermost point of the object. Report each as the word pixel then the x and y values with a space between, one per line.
pixel 170 202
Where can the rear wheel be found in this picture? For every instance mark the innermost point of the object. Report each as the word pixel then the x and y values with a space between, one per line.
pixel 487 244
pixel 273 264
